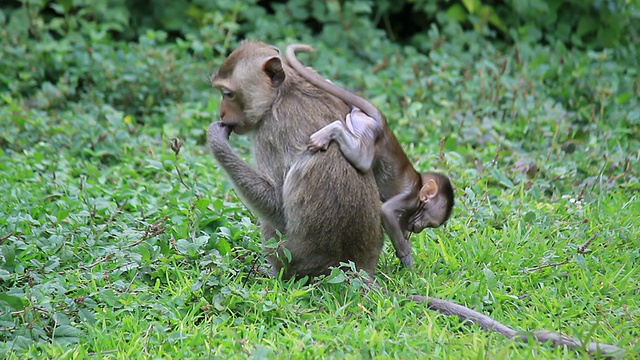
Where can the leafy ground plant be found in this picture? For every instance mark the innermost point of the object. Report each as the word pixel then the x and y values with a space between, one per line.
pixel 121 238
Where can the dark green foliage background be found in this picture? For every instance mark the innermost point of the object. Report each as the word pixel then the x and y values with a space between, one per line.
pixel 120 237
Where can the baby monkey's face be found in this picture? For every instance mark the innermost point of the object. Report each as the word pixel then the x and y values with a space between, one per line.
pixel 436 203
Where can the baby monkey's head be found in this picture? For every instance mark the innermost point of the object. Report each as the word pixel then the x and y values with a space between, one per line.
pixel 436 202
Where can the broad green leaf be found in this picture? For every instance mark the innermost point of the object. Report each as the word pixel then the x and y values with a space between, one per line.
pixel 624 98
pixel 66 333
pixel 15 302
pixel 457 12
pixel 337 276
pixel 472 5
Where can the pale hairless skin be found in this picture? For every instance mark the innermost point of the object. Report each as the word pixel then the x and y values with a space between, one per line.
pixel 412 201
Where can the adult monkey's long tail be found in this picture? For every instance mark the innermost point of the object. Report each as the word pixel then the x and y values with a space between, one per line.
pixel 467 315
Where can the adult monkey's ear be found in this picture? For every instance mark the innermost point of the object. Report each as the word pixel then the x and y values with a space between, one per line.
pixel 275 72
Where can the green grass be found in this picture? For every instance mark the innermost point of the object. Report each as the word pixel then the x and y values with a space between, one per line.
pixel 121 238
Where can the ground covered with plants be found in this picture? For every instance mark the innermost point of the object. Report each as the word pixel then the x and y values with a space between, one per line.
pixel 121 238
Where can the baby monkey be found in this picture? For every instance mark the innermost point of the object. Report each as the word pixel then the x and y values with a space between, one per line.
pixel 412 201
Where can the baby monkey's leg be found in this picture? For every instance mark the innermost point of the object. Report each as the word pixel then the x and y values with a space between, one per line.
pixel 356 140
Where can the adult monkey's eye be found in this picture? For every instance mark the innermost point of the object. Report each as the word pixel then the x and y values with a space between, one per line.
pixel 227 93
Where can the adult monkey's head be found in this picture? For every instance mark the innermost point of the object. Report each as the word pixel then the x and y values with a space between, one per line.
pixel 253 68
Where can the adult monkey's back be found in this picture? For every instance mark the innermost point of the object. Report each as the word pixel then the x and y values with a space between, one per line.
pixel 328 211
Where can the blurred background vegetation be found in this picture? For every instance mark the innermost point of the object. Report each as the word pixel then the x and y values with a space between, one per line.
pixel 139 56
pixel 65 50
pixel 588 23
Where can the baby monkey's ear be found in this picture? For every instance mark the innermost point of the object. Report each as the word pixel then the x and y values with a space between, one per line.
pixel 428 190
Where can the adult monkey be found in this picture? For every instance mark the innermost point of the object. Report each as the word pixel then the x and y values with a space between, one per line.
pixel 412 201
pixel 328 211
pixel 326 208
